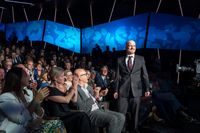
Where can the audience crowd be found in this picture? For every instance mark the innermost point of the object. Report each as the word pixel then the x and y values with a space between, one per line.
pixel 46 89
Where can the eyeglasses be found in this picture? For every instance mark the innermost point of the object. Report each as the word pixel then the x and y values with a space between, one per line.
pixel 69 74
pixel 85 74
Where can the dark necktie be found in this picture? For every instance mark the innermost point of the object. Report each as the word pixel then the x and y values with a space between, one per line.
pixel 105 82
pixel 130 63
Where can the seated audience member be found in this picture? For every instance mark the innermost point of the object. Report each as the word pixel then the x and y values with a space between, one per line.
pixel 102 78
pixel 14 58
pixel 44 81
pixel 68 78
pixel 19 56
pixel 104 81
pixel 91 78
pixel 53 63
pixel 113 121
pixel 82 62
pixel 167 104
pixel 1 58
pixel 97 90
pixel 60 100
pixel 38 71
pixel 2 74
pixel 68 65
pixel 18 115
pixel 89 65
pixel 7 64
pixel 30 68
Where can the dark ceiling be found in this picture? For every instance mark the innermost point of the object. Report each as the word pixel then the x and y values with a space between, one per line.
pixel 101 10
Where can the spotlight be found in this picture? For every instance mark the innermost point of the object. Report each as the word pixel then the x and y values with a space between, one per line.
pixel 20 2
pixel 1 7
pixel 184 69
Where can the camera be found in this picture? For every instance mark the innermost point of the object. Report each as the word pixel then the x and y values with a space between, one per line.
pixel 184 69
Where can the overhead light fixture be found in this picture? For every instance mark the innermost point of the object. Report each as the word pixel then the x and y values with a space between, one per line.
pixel 1 7
pixel 20 2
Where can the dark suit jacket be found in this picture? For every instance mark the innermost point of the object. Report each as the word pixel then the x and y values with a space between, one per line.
pixel 105 84
pixel 100 82
pixel 136 79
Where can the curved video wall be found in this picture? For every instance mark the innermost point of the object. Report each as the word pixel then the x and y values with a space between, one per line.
pixel 173 32
pixel 33 30
pixel 164 32
pixel 2 27
pixel 115 34
pixel 63 36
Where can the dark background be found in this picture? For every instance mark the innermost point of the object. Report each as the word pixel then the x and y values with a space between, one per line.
pixel 101 10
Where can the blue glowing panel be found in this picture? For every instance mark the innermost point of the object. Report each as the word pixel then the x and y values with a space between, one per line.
pixel 33 29
pixel 2 27
pixel 173 32
pixel 115 34
pixel 63 36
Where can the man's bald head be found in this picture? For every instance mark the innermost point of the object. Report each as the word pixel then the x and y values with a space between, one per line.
pixel 78 71
pixel 82 75
pixel 130 47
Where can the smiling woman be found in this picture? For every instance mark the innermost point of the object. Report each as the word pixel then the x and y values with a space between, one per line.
pixel 17 113
pixel 61 102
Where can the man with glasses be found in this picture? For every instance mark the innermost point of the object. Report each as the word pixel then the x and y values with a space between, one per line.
pixel 86 101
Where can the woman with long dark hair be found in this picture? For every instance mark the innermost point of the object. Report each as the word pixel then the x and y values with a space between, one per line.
pixel 17 114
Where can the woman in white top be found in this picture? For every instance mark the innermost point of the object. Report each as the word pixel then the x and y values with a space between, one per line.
pixel 17 114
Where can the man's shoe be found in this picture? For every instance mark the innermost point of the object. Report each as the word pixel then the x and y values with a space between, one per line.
pixel 194 121
pixel 190 120
pixel 136 131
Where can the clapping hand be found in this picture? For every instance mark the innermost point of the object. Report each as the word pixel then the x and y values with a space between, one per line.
pixel 103 92
pixel 115 95
pixel 147 94
pixel 75 82
pixel 33 85
pixel 41 94
pixel 96 91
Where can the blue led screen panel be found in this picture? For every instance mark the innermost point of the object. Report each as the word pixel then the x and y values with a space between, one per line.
pixel 115 34
pixel 173 32
pixel 2 27
pixel 32 29
pixel 63 36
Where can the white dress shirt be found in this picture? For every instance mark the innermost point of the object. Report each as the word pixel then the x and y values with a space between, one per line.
pixel 94 106
pixel 132 58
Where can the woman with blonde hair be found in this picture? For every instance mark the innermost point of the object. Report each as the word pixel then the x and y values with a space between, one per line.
pixel 61 101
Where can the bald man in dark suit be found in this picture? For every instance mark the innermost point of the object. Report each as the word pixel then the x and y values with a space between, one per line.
pixel 132 78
